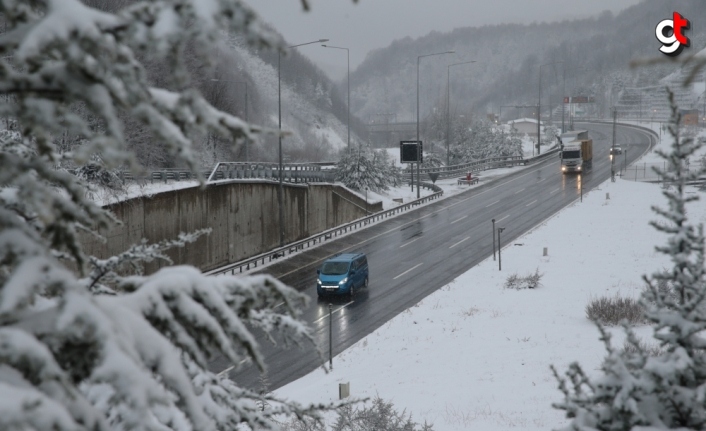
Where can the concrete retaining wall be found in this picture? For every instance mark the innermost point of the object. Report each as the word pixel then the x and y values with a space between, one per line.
pixel 243 216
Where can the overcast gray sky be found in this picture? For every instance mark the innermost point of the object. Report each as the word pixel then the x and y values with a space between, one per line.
pixel 371 24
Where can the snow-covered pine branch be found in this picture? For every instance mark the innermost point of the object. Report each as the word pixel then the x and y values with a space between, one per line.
pixel 137 359
pixel 637 388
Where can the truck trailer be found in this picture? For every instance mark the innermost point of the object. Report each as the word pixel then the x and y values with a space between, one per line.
pixel 576 154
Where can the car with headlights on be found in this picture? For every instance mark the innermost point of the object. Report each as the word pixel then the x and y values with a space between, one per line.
pixel 342 274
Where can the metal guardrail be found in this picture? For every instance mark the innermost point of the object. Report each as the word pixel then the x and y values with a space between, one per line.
pixel 292 172
pixel 330 234
pixel 490 163
pixel 479 165
pixel 303 172
pixel 544 155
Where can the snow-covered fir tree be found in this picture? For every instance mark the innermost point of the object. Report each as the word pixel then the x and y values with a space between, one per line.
pixel 362 167
pixel 95 344
pixel 550 134
pixel 481 141
pixel 432 160
pixel 636 389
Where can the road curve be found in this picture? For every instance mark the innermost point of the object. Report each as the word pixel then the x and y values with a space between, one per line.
pixel 418 252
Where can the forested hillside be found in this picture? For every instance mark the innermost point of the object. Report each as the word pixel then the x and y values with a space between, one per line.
pixel 596 53
pixel 241 80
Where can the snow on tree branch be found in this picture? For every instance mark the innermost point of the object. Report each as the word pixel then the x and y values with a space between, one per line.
pixel 136 359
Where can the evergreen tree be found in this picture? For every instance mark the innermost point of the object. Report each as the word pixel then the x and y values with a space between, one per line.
pixel 663 390
pixel 482 141
pixel 432 160
pixel 94 344
pixel 362 167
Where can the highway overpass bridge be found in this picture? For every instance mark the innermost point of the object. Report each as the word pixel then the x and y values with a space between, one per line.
pixel 385 135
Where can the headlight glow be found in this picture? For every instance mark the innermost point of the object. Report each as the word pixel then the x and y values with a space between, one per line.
pixel 318 281
pixel 343 281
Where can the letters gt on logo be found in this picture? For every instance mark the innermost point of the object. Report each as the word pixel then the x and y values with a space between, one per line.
pixel 670 32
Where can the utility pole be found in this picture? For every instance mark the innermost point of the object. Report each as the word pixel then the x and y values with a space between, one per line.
pixel 419 150
pixel 500 259
pixel 563 95
pixel 493 232
pixel 612 158
pixel 539 106
pixel 448 107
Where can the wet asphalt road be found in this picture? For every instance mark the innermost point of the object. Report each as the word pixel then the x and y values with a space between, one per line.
pixel 416 253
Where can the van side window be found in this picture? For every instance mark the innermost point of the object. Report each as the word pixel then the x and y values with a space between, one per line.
pixel 365 261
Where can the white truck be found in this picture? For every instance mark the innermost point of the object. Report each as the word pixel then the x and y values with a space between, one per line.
pixel 576 151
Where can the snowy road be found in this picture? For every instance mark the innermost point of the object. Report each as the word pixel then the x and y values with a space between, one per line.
pixel 418 252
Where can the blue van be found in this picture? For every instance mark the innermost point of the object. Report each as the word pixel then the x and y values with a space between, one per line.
pixel 343 274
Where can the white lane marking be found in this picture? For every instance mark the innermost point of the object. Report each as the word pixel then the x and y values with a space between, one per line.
pixel 490 205
pixel 542 179
pixel 464 239
pixel 332 312
pixel 410 269
pixel 555 190
pixel 408 243
pixel 531 203
pixel 279 305
pixel 397 228
pixel 520 191
pixel 498 221
pixel 458 219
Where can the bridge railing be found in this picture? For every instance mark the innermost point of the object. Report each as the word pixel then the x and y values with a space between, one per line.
pixel 291 172
pixel 453 171
pixel 328 235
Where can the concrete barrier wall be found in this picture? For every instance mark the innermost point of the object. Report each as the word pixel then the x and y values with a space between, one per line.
pixel 243 216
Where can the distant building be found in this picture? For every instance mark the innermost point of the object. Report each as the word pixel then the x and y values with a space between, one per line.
pixel 526 125
pixel 690 117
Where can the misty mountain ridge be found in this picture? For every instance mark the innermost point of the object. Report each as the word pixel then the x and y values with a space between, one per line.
pixel 596 51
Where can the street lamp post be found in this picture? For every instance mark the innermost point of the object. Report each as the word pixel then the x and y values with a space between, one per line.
pixel 348 120
pixel 500 259
pixel 539 106
pixel 563 95
pixel 571 105
pixel 419 152
pixel 246 108
pixel 448 107
pixel 280 192
pixel 493 232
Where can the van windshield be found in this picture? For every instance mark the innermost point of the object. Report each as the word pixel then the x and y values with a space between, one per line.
pixel 334 268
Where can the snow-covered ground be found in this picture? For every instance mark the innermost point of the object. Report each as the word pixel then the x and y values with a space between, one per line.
pixel 475 355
